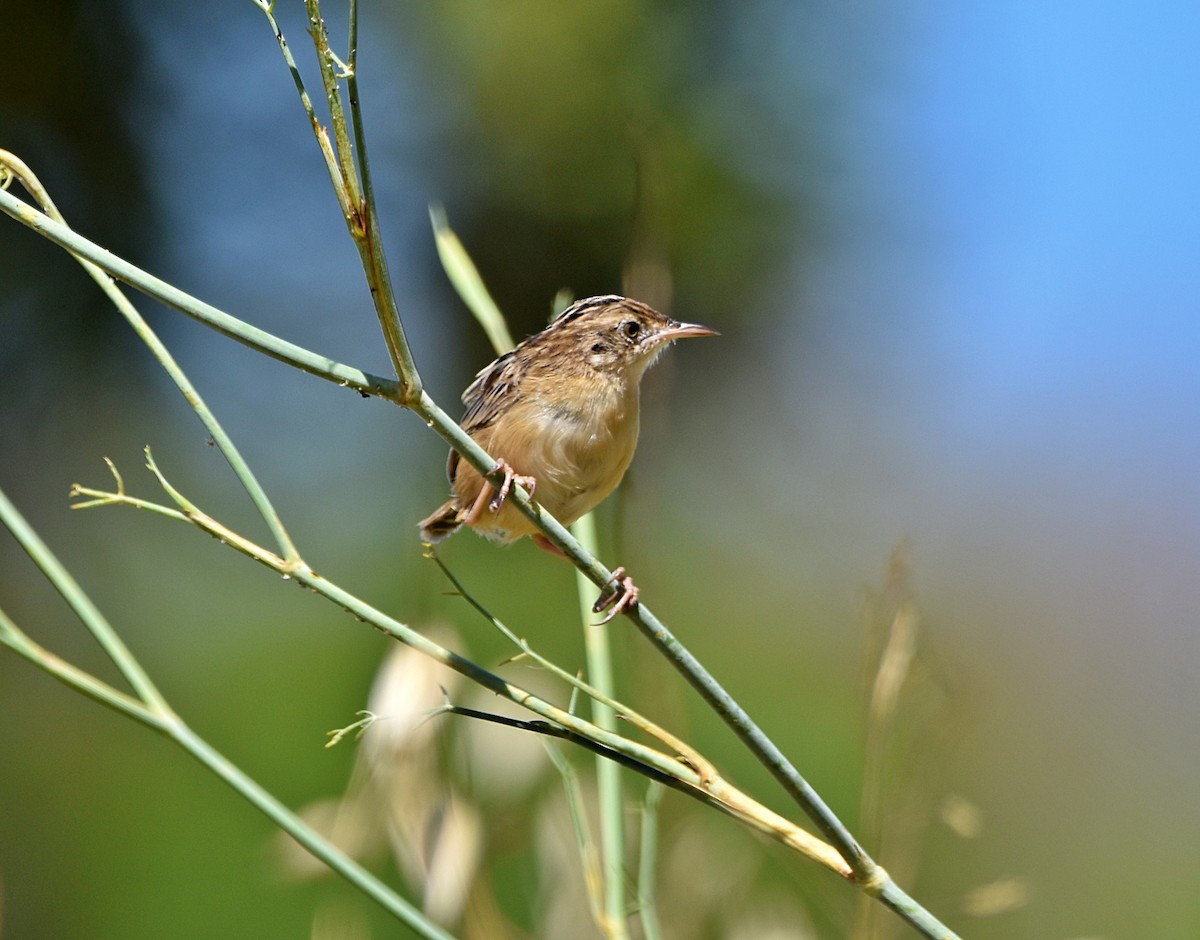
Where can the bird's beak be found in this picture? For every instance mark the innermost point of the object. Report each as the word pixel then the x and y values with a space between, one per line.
pixel 681 330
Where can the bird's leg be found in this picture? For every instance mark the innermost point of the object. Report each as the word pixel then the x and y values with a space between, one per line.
pixel 510 476
pixel 623 596
pixel 546 545
pixel 624 593
pixel 473 514
pixel 492 498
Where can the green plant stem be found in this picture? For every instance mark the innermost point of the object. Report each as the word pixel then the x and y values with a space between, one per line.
pixel 84 608
pixel 305 576
pixel 648 864
pixel 689 772
pixel 258 496
pixel 331 163
pixel 652 773
pixel 896 899
pixel 356 198
pixel 332 71
pixel 608 774
pixel 378 275
pixel 219 320
pixel 72 676
pixel 332 856
pixel 152 710
pixel 466 280
pixel 593 877
pixel 867 873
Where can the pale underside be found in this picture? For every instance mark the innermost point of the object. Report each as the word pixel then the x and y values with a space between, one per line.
pixel 577 452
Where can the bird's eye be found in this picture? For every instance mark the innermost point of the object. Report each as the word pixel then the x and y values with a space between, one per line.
pixel 631 328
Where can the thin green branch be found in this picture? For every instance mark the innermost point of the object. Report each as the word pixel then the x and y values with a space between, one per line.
pixel 589 857
pixel 867 874
pixel 158 349
pixel 260 340
pixel 637 720
pixel 82 605
pixel 331 163
pixel 690 773
pixel 648 864
pixel 151 709
pixel 608 774
pixel 290 823
pixel 896 899
pixel 379 279
pixel 464 276
pixel 72 676
pixel 357 200
pixel 332 71
pixel 655 775
pixel 169 725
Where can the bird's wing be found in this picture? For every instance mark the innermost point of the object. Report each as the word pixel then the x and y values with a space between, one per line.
pixel 495 388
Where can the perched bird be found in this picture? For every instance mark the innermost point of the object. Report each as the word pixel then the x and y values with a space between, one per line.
pixel 560 414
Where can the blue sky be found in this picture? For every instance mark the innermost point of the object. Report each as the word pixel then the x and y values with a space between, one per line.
pixel 1058 148
pixel 1022 216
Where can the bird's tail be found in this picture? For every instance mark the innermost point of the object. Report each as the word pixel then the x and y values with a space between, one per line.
pixel 443 523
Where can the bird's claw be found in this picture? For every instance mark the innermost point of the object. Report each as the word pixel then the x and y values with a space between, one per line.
pixel 623 596
pixel 510 477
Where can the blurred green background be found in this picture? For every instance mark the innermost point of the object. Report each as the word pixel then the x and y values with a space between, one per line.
pixel 952 254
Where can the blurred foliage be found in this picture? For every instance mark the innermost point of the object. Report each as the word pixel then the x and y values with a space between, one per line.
pixel 643 146
pixel 605 144
pixel 67 76
pixel 578 147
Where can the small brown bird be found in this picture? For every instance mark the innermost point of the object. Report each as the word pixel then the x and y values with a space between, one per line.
pixel 560 413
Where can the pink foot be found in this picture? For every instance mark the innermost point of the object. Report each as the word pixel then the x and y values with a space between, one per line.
pixel 498 496
pixel 623 596
pixel 510 476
